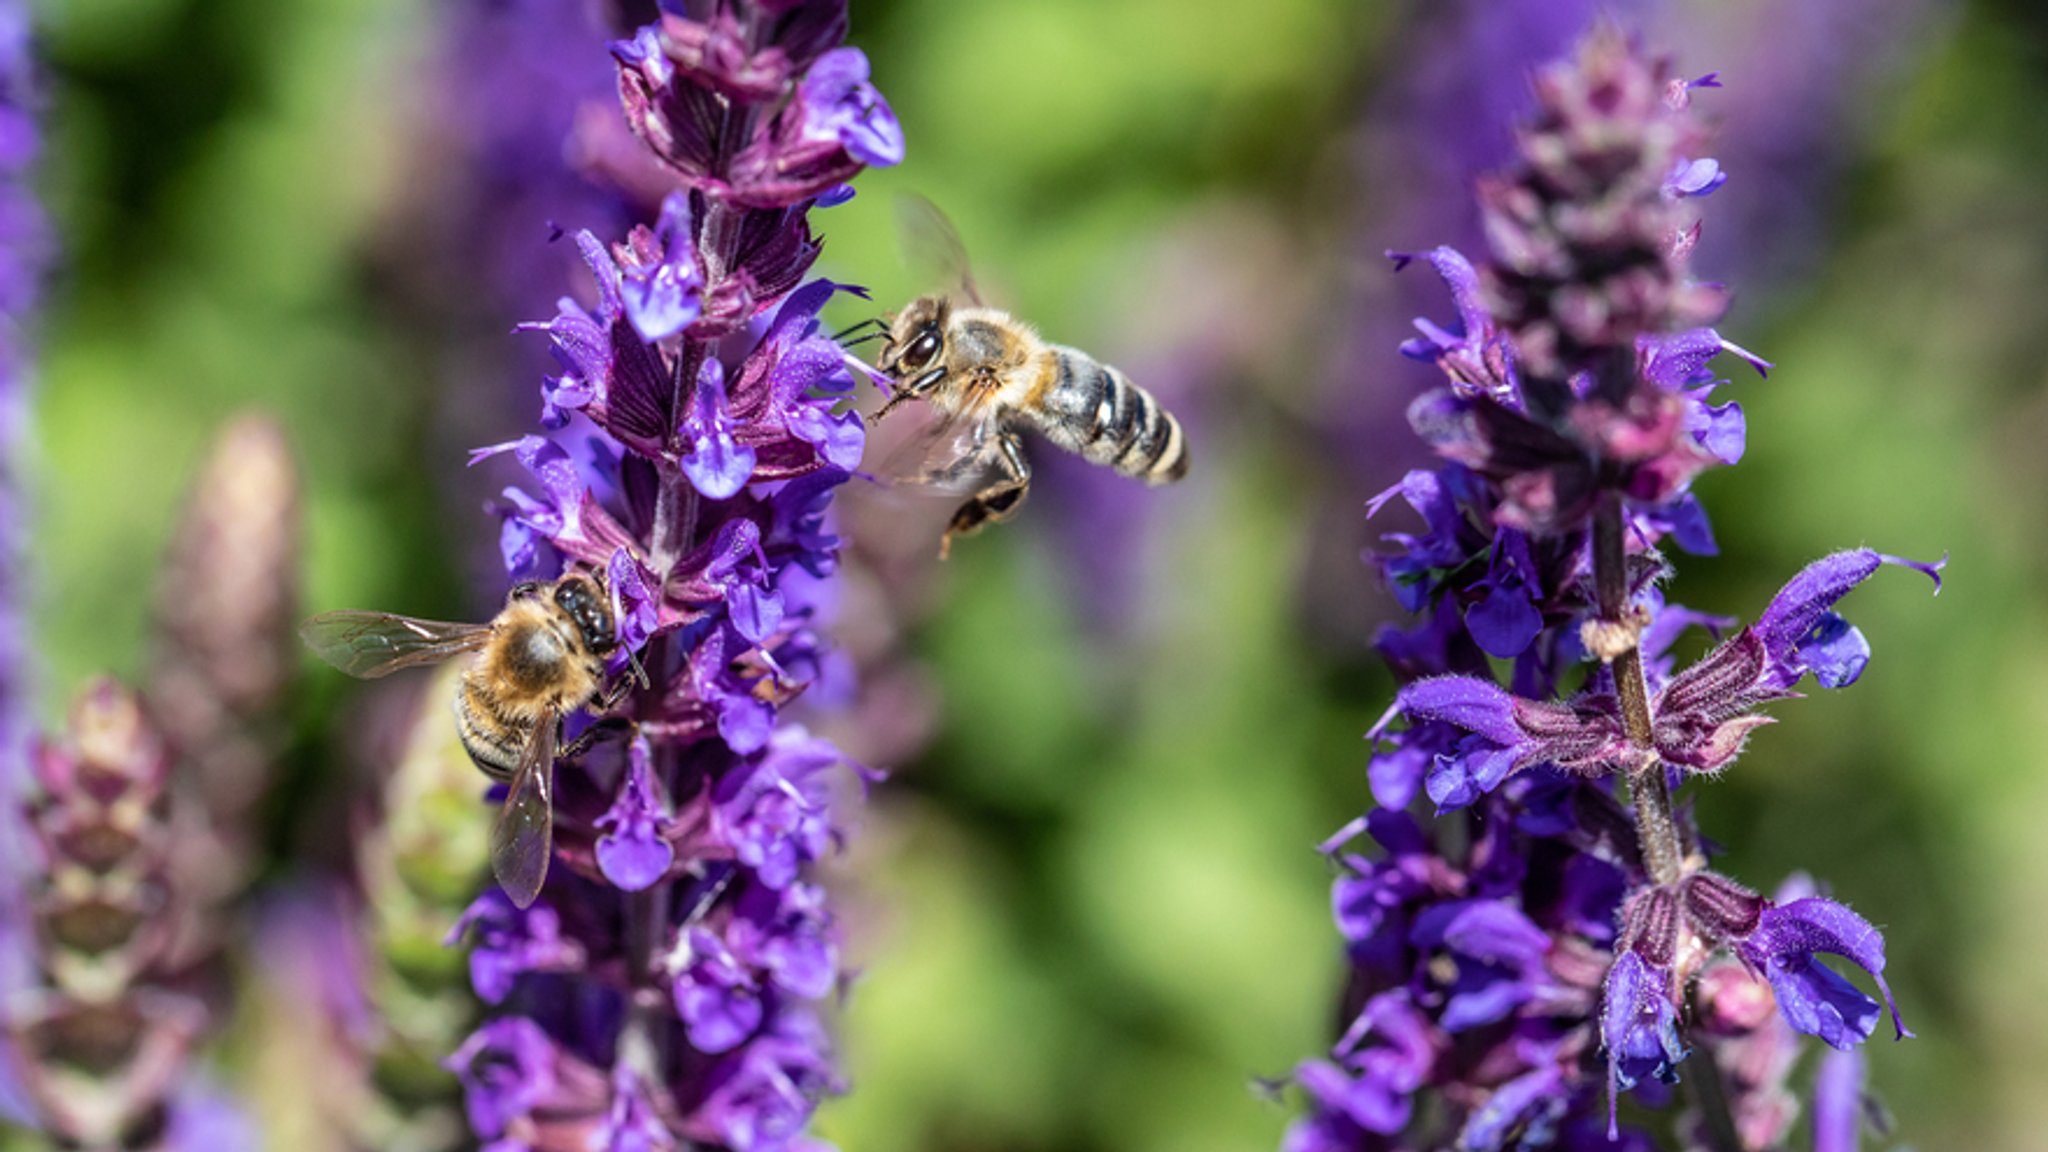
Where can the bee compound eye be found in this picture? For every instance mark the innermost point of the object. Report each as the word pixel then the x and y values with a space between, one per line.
pixel 921 350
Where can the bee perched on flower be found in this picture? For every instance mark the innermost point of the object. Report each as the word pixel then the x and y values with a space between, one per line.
pixel 1556 937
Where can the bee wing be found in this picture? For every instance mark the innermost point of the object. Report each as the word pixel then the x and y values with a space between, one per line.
pixel 372 644
pixel 522 839
pixel 951 455
pixel 932 247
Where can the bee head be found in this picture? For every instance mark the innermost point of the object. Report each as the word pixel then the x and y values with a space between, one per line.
pixel 584 603
pixel 917 337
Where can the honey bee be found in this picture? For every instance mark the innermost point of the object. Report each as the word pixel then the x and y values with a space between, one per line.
pixel 989 376
pixel 541 658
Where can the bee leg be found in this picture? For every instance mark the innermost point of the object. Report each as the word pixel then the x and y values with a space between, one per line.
pixel 600 728
pixel 997 502
pixel 614 695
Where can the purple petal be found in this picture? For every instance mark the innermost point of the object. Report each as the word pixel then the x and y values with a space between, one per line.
pixel 632 853
pixel 1504 621
pixel 1362 1100
pixel 1797 615
pixel 1721 431
pixel 636 608
pixel 837 100
pixel 1497 933
pixel 1512 1108
pixel 839 439
pixel 1463 281
pixel 717 464
pixel 1396 775
pixel 1456 780
pixel 1835 652
pixel 663 298
pixel 1694 178
pixel 1813 998
pixel 1639 1028
pixel 1686 520
pixel 718 1019
pixel 1473 704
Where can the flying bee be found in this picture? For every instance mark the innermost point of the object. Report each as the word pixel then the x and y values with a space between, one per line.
pixel 989 376
pixel 541 658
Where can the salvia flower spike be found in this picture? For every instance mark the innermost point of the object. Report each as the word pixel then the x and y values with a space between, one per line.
pixel 1554 939
pixel 665 990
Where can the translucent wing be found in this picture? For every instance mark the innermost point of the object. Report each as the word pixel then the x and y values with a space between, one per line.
pixel 373 644
pixel 522 840
pixel 932 247
pixel 952 454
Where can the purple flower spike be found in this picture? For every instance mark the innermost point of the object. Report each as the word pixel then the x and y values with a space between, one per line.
pixel 632 853
pixel 839 103
pixel 703 427
pixel 1813 998
pixel 1639 1027
pixel 715 462
pixel 1570 907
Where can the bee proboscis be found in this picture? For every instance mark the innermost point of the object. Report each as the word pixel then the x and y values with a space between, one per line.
pixel 989 375
pixel 542 657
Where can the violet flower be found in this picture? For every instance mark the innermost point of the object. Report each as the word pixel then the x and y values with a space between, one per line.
pixel 664 991
pixel 1529 959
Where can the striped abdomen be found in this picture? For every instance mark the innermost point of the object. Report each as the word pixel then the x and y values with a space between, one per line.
pixel 492 738
pixel 1093 409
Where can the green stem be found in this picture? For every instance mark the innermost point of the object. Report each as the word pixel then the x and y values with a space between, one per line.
pixel 1656 824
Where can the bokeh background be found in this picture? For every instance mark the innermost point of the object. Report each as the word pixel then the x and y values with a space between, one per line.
pixel 1090 915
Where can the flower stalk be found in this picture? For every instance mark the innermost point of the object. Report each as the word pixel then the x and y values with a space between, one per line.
pixel 1649 791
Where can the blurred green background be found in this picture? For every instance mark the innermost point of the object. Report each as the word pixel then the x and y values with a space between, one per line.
pixel 1090 916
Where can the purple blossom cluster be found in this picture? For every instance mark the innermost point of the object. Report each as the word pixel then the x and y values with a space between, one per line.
pixel 1555 940
pixel 664 991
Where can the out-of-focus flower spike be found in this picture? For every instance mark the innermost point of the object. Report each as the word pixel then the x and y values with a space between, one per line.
pixel 420 855
pixel 1838 1102
pixel 223 654
pixel 105 1048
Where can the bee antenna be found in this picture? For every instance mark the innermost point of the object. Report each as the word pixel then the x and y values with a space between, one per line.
pixel 857 341
pixel 843 333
